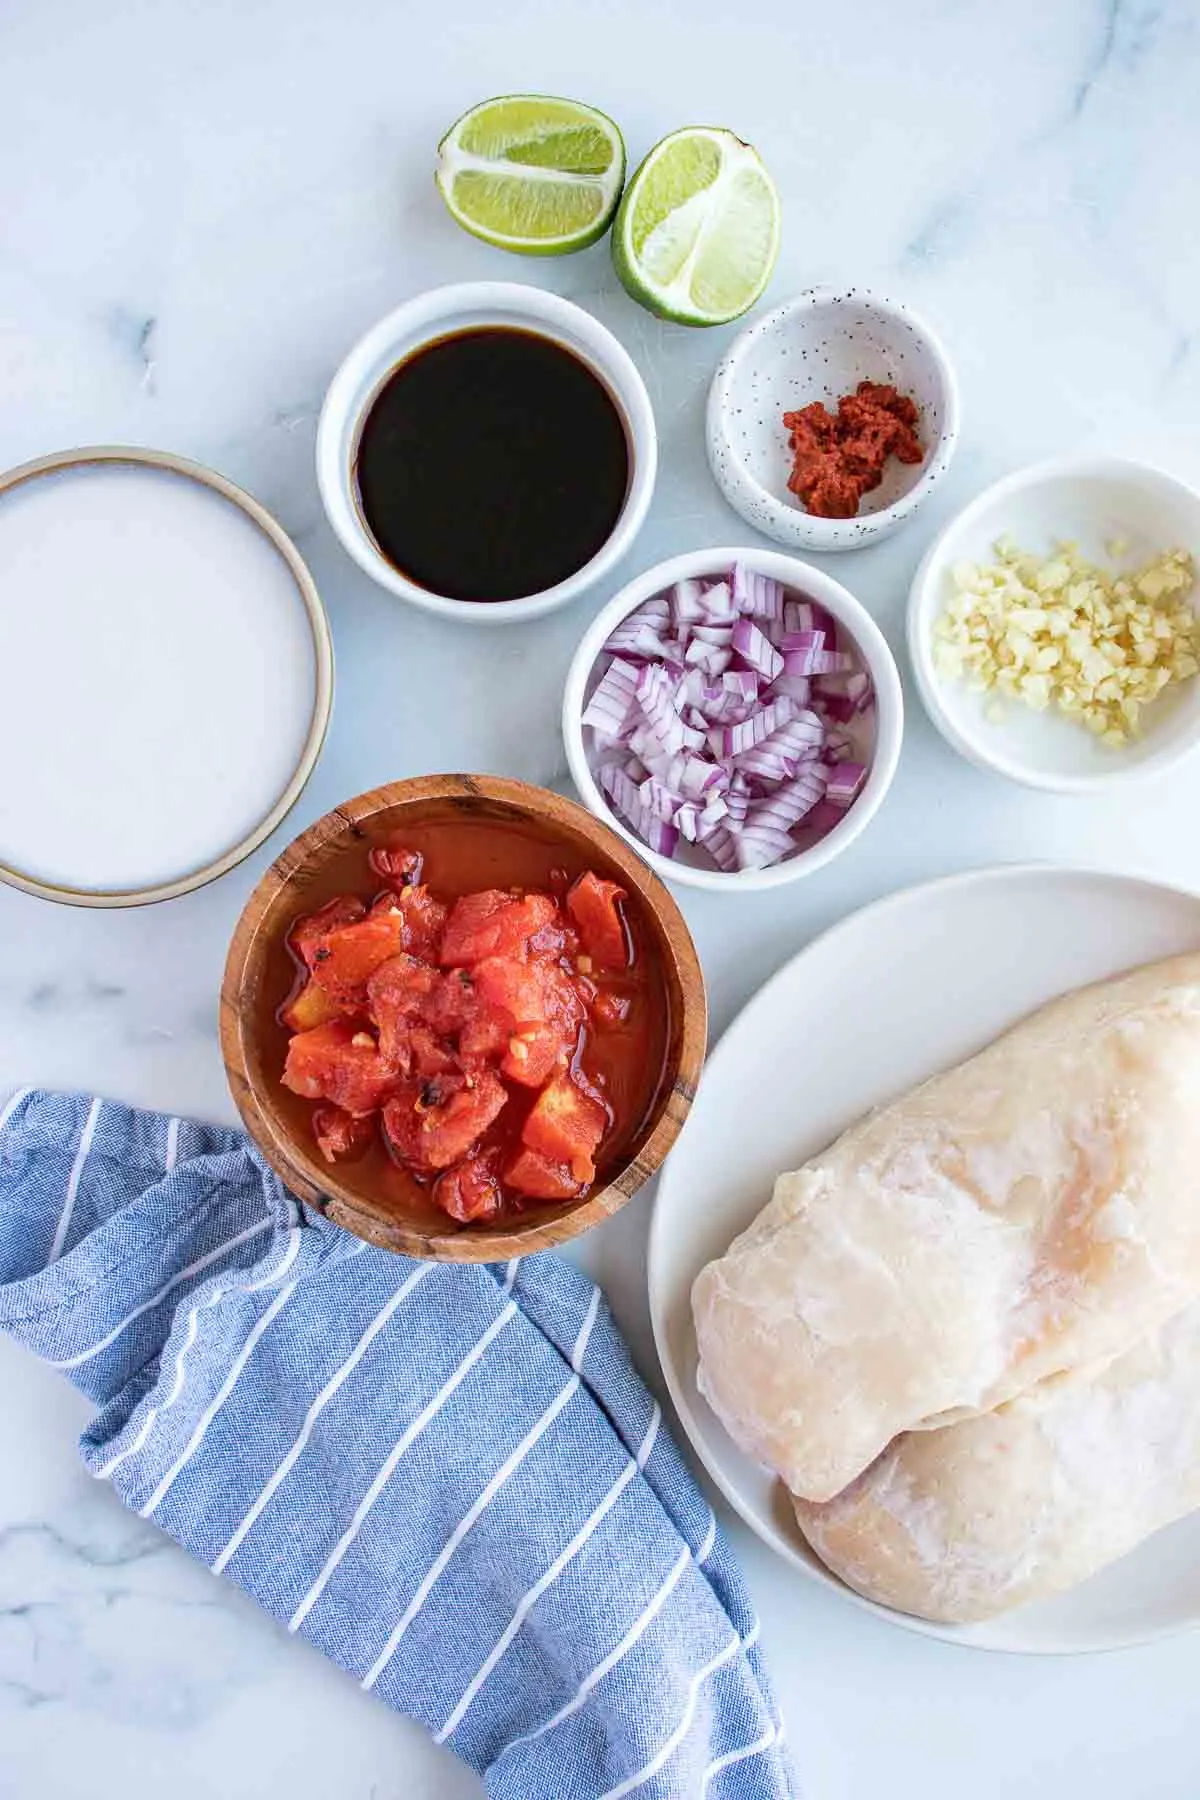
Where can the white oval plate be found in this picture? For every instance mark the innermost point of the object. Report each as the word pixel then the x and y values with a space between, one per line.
pixel 890 996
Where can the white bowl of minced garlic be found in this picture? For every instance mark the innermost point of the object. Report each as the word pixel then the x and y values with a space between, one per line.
pixel 1054 626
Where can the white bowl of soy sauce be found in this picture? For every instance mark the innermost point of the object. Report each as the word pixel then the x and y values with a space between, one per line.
pixel 487 452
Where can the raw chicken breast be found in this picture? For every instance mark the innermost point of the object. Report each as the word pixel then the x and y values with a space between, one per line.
pixel 963 1523
pixel 1031 1211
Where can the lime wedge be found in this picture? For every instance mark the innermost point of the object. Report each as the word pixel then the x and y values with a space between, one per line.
pixel 697 233
pixel 533 174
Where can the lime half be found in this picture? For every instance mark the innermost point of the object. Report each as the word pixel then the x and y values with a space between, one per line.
pixel 697 233
pixel 533 174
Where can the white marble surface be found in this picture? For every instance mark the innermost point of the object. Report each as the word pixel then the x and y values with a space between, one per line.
pixel 203 206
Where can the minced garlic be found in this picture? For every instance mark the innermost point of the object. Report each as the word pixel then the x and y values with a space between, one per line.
pixel 1056 631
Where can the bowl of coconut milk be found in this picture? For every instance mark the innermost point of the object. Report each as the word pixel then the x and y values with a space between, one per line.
pixel 167 675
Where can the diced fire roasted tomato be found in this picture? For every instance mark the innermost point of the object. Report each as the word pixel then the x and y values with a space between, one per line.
pixel 469 1191
pixel 423 918
pixel 340 1134
pixel 418 1010
pixel 307 934
pixel 345 959
pixel 516 988
pixel 338 1062
pixel 398 994
pixel 485 1036
pixel 550 943
pixel 431 1124
pixel 493 923
pixel 610 1009
pixel 565 1125
pixel 426 1054
pixel 425 1021
pixel 453 1002
pixel 397 865
pixel 311 1007
pixel 533 1174
pixel 593 904
pixel 544 1013
pixel 534 1052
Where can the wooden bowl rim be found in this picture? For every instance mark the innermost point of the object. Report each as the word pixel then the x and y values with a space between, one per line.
pixel 319 1186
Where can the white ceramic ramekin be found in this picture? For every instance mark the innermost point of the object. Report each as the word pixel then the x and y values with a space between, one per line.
pixel 437 314
pixel 1095 501
pixel 801 579
pixel 819 346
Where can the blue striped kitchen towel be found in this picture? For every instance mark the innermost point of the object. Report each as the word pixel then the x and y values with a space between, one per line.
pixel 449 1479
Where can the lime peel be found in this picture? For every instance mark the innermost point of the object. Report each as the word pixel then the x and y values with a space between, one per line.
pixel 696 237
pixel 534 178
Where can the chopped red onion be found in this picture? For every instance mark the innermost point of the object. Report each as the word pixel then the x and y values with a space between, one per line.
pixel 741 685
pixel 802 735
pixel 759 845
pixel 844 694
pixel 801 652
pixel 734 700
pixel 832 662
pixel 796 687
pixel 838 707
pixel 790 803
pixel 718 605
pixel 737 801
pixel 698 778
pixel 634 638
pixel 608 711
pixel 712 659
pixel 845 780
pixel 661 837
pixel 689 690
pixel 758 727
pixel 721 846
pixel 756 596
pixel 769 766
pixel 687 603
pixel 806 615
pixel 656 697
pixel 644 629
pixel 751 761
pixel 823 818
pixel 687 820
pixel 753 648
pixel 658 799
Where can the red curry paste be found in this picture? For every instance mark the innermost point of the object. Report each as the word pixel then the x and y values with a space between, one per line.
pixel 837 458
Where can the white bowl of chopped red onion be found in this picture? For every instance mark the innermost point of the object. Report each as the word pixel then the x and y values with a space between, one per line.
pixel 736 715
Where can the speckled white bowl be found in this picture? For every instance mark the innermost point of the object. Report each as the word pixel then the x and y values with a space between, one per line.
pixel 819 346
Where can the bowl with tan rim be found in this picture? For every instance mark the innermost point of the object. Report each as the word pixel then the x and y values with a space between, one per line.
pixel 363 1195
pixel 168 675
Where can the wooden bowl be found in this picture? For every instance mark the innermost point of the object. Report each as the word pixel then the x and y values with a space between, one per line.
pixel 256 981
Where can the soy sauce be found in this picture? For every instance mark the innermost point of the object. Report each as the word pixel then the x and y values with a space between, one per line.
pixel 491 464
